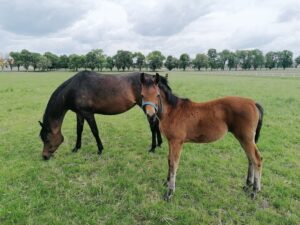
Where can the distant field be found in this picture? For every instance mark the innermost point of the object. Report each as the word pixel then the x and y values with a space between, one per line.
pixel 125 185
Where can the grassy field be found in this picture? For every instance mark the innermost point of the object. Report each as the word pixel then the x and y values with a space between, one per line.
pixel 125 184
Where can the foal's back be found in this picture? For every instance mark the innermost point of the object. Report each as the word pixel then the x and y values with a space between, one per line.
pixel 209 121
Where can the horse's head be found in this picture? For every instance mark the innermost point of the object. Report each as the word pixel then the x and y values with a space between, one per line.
pixel 150 95
pixel 51 139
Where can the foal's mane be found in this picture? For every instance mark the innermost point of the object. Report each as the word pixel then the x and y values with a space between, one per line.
pixel 171 98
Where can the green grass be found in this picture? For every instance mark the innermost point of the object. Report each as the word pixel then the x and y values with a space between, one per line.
pixel 125 185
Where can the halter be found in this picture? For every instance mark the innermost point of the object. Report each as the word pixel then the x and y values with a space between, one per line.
pixel 158 108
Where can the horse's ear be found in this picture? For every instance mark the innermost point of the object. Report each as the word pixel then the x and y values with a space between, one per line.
pixel 142 77
pixel 41 124
pixel 157 78
pixel 167 75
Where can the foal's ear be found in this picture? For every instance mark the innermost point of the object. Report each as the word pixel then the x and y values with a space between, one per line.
pixel 157 78
pixel 41 124
pixel 142 77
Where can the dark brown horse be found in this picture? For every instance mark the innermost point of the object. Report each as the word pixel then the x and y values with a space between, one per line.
pixel 87 93
pixel 182 120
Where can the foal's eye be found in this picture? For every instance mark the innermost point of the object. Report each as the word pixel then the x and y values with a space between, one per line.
pixel 142 96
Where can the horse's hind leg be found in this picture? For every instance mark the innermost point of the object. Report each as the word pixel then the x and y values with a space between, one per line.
pixel 92 123
pixel 250 175
pixel 80 122
pixel 255 167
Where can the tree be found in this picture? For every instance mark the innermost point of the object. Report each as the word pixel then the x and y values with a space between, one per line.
pixel 257 59
pixel 201 61
pixel 100 59
pixel 123 59
pixel 270 60
pixel 25 58
pixel 10 62
pixel 43 63
pixel 223 58
pixel 54 60
pixel 244 58
pixel 212 58
pixel 184 61
pixel 155 60
pixel 109 63
pixel 17 59
pixel 63 61
pixel 171 62
pixel 139 60
pixel 75 62
pixel 2 62
pixel 35 57
pixel 232 61
pixel 91 60
pixel 285 59
pixel 297 61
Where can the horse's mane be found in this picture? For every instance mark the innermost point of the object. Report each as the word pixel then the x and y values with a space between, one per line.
pixel 170 97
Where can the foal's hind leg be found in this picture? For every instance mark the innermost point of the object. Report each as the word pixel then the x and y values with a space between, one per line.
pixel 80 122
pixel 250 175
pixel 256 160
pixel 92 123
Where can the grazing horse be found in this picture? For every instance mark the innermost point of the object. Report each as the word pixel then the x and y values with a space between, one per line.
pixel 87 93
pixel 182 120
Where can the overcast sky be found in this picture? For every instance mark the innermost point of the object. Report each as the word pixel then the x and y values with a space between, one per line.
pixel 171 26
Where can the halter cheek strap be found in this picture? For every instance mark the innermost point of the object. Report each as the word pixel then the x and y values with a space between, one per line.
pixel 150 103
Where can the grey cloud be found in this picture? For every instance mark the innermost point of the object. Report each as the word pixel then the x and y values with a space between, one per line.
pixel 35 18
pixel 253 41
pixel 288 15
pixel 167 18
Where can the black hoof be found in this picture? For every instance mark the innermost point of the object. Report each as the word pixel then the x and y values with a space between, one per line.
pixel 152 150
pixel 253 195
pixel 75 149
pixel 247 187
pixel 168 195
pixel 99 153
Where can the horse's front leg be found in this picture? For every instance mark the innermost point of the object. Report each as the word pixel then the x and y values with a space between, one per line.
pixel 173 160
pixel 153 134
pixel 80 122
pixel 159 139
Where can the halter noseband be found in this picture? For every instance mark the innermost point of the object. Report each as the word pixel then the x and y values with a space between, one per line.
pixel 155 106
pixel 158 108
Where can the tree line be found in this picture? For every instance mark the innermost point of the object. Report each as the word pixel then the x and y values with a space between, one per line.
pixel 126 60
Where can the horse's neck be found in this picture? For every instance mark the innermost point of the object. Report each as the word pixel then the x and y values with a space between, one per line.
pixel 54 115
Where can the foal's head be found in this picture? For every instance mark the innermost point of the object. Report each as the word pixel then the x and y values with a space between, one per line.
pixel 150 95
pixel 51 140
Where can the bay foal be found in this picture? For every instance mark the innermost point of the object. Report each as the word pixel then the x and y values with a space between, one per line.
pixel 182 120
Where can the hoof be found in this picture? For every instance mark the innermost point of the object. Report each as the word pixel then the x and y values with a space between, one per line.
pixel 75 149
pixel 99 153
pixel 152 150
pixel 168 195
pixel 247 187
pixel 253 195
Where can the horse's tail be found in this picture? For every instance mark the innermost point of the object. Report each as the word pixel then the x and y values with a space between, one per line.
pixel 260 121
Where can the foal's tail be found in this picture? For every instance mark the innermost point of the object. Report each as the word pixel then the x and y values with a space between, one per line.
pixel 260 120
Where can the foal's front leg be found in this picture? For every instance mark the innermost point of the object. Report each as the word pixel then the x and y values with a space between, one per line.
pixel 173 160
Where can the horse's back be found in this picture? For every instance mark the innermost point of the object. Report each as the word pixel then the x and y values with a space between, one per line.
pixel 102 93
